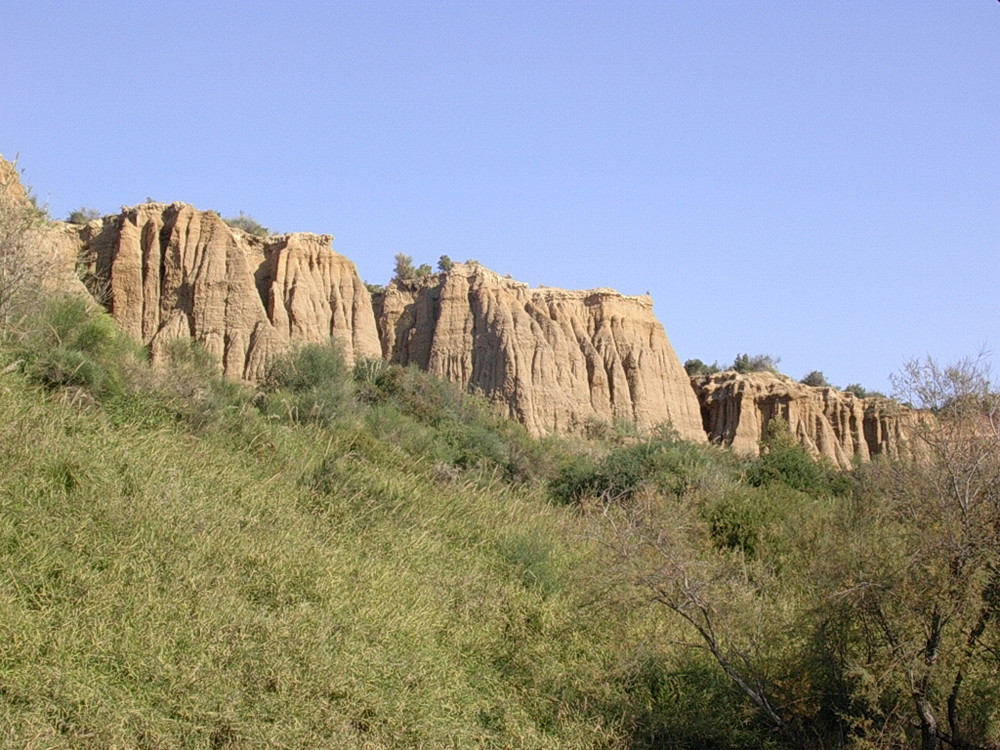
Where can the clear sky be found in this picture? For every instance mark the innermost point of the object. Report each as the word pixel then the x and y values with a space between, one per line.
pixel 819 181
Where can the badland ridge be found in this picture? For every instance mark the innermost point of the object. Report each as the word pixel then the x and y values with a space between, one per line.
pixel 553 359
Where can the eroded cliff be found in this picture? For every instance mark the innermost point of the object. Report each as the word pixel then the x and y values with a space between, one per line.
pixel 736 410
pixel 34 253
pixel 168 271
pixel 555 360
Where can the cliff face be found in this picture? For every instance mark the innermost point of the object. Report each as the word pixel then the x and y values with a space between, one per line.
pixel 10 182
pixel 554 359
pixel 840 426
pixel 172 271
pixel 34 253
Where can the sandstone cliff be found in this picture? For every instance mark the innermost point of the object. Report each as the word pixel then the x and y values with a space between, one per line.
pixel 10 182
pixel 736 409
pixel 554 359
pixel 168 271
pixel 34 253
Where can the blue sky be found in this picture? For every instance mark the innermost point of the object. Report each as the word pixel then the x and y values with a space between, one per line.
pixel 817 181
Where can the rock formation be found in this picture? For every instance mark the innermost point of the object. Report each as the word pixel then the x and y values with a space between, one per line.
pixel 34 253
pixel 555 360
pixel 10 182
pixel 168 271
pixel 736 410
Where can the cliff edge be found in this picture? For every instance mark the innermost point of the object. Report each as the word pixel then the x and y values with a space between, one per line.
pixel 556 360
pixel 736 409
pixel 168 271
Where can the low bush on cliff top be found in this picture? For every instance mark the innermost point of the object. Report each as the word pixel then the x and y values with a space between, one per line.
pixel 248 224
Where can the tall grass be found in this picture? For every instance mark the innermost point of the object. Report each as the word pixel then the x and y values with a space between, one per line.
pixel 247 580
pixel 368 558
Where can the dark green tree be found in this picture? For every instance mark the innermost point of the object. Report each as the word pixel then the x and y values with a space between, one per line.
pixel 816 379
pixel 745 363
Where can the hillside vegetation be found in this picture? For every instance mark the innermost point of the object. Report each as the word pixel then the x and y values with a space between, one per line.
pixel 365 557
pixel 369 558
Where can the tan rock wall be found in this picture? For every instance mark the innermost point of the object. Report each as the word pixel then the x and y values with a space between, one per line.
pixel 555 359
pixel 37 252
pixel 168 271
pixel 736 410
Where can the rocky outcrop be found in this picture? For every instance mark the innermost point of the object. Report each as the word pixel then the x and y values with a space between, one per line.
pixel 34 253
pixel 10 183
pixel 555 360
pixel 169 271
pixel 840 426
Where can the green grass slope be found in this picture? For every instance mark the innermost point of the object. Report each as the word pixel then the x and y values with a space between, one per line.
pixel 366 558
pixel 183 568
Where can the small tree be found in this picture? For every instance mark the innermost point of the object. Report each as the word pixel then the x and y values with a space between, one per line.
pixel 695 368
pixel 857 389
pixel 248 224
pixel 816 379
pixel 404 268
pixel 445 263
pixel 83 215
pixel 745 363
pixel 922 592
pixel 662 552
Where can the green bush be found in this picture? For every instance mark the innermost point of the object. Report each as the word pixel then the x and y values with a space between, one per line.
pixel 695 368
pixel 816 379
pixel 83 215
pixel 404 269
pixel 784 460
pixel 668 466
pixel 753 521
pixel 72 343
pixel 745 363
pixel 310 384
pixel 188 390
pixel 248 224
pixel 457 428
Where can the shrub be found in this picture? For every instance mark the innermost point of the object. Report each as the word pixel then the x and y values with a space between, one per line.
pixel 404 269
pixel 784 460
pixel 248 224
pixel 83 215
pixel 71 343
pixel 666 465
pixel 191 390
pixel 857 390
pixel 310 384
pixel 445 263
pixel 695 368
pixel 745 363
pixel 816 379
pixel 25 256
pixel 753 520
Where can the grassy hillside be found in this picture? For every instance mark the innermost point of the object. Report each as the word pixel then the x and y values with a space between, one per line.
pixel 367 558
